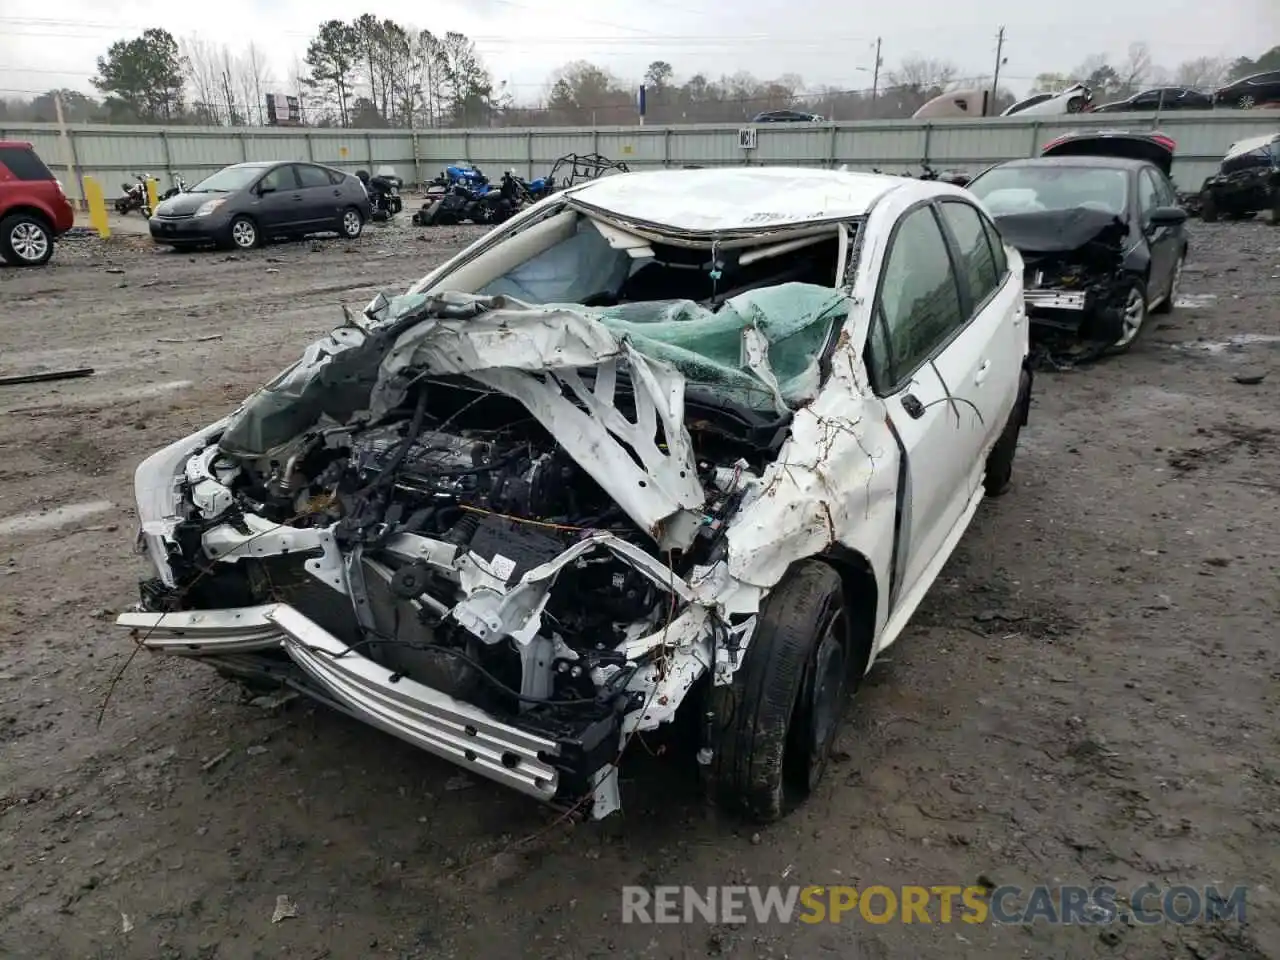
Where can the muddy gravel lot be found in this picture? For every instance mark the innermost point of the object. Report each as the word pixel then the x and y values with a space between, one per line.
pixel 1089 695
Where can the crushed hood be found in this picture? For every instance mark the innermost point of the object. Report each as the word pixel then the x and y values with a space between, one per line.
pixel 567 364
pixel 1060 231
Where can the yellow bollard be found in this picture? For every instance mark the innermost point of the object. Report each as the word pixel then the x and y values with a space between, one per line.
pixel 153 194
pixel 97 204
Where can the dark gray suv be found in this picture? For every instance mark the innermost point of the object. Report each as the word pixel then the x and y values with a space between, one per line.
pixel 247 204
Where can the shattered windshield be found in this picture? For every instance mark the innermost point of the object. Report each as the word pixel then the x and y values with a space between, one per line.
pixel 1037 189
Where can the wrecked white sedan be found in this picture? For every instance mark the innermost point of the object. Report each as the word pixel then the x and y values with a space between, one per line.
pixel 684 440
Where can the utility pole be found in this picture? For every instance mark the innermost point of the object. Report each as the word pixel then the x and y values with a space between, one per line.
pixel 875 76
pixel 995 80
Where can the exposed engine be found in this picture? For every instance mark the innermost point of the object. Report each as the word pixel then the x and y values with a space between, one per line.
pixel 427 510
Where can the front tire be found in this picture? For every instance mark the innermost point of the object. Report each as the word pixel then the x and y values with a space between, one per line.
pixel 1166 305
pixel 243 234
pixel 351 223
pixel 999 472
pixel 779 717
pixel 25 240
pixel 1133 318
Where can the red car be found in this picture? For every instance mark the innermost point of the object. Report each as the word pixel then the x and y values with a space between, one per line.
pixel 33 208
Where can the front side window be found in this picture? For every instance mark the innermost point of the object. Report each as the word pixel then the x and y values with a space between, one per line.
pixel 918 302
pixel 281 178
pixel 1148 193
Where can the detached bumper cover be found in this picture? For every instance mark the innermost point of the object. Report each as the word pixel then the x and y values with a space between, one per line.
pixel 426 718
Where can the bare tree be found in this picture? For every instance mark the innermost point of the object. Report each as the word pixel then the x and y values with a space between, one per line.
pixel 204 79
pixel 1204 73
pixel 1136 69
pixel 256 74
pixel 921 73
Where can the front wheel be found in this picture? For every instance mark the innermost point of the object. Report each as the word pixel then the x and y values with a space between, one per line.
pixel 25 241
pixel 1133 317
pixel 999 471
pixel 1167 304
pixel 774 725
pixel 351 224
pixel 243 233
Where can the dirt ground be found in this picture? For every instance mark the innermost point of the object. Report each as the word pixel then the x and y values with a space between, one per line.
pixel 1088 695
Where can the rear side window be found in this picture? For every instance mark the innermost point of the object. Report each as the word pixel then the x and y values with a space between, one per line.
pixel 997 247
pixel 977 263
pixel 24 164
pixel 1148 193
pixel 310 176
pixel 335 177
pixel 918 302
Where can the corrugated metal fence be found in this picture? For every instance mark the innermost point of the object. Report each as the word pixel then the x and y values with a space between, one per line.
pixel 115 153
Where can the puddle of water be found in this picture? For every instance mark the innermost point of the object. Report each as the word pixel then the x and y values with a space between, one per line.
pixel 1194 301
pixel 53 519
pixel 1237 341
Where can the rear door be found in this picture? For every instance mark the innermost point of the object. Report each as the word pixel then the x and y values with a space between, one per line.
pixel 321 196
pixel 982 367
pixel 917 319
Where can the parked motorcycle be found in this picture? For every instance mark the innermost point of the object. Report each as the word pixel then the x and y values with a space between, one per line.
pixel 134 196
pixel 384 196
pixel 179 186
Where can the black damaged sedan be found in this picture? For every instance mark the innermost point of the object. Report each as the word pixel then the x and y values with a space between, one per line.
pixel 1102 238
pixel 247 204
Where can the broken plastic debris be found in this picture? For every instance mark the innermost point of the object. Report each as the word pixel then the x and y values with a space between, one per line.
pixel 285 909
pixel 126 924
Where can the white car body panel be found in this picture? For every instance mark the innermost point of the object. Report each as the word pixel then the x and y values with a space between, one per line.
pixel 834 484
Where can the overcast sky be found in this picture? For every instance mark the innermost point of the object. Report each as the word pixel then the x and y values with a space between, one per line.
pixel 829 42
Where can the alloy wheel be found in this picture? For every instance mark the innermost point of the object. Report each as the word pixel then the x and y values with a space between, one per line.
pixel 1135 314
pixel 244 234
pixel 351 223
pixel 29 241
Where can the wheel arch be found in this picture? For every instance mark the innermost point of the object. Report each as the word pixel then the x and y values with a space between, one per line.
pixel 30 210
pixel 861 593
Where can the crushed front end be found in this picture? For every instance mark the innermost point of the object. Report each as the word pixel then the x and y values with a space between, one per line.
pixel 497 532
pixel 1074 280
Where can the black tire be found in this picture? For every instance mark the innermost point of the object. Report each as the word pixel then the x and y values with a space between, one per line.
pixel 999 473
pixel 1166 305
pixel 25 240
pixel 242 233
pixel 350 223
pixel 1208 208
pixel 1075 105
pixel 777 720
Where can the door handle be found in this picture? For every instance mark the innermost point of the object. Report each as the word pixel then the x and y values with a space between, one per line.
pixel 297 196
pixel 983 369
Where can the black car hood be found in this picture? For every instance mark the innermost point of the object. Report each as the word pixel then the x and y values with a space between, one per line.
pixel 185 204
pixel 1061 231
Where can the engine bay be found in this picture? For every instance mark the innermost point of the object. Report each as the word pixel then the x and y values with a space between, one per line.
pixel 436 516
